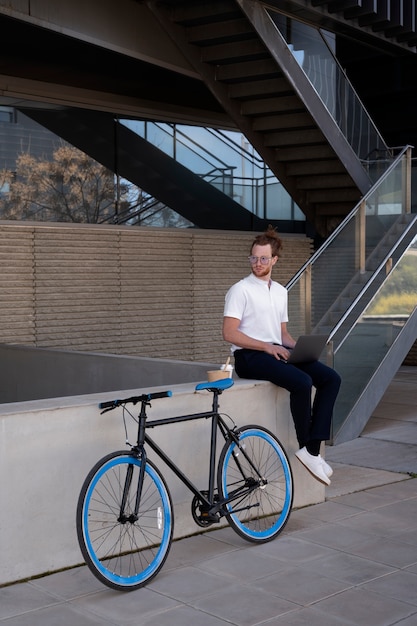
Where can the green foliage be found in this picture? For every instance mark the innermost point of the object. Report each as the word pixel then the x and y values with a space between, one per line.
pixel 399 293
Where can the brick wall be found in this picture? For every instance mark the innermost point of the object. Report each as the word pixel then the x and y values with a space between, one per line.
pixel 134 291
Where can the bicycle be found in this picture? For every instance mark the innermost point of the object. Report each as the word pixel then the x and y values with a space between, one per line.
pixel 125 515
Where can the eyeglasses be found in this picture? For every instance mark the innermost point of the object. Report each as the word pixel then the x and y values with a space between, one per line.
pixel 263 259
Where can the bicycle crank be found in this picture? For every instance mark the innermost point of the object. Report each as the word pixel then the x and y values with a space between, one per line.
pixel 201 513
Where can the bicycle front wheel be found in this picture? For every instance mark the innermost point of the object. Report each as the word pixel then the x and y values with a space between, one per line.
pixel 124 547
pixel 255 475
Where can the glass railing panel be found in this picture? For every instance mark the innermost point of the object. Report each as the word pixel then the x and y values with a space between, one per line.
pixel 161 136
pixel 227 161
pixel 343 265
pixel 414 186
pixel 371 337
pixel 313 50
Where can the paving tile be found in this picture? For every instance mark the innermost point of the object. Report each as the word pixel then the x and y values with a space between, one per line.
pixel 245 606
pixel 333 536
pixel 122 608
pixel 372 453
pixel 398 492
pixel 69 584
pixel 193 549
pixel 400 395
pixel 59 615
pixel 387 551
pixel 348 568
pixel 349 479
pixel 292 550
pixel 229 536
pixel 380 523
pixel 360 607
pixel 400 585
pixel 309 616
pixel 246 565
pixel 366 500
pixel 182 616
pixel 409 621
pixel 388 409
pixel 18 599
pixel 405 510
pixel 330 511
pixel 300 586
pixel 190 583
pixel 408 536
pixel 301 519
pixel 391 430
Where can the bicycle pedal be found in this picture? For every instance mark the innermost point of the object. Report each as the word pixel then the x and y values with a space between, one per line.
pixel 208 517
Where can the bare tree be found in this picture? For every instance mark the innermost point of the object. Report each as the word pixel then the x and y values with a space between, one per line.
pixel 71 187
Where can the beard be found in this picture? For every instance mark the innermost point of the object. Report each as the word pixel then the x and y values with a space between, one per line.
pixel 262 271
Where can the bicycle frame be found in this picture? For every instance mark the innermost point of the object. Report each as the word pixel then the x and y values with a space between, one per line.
pixel 218 423
pixel 125 516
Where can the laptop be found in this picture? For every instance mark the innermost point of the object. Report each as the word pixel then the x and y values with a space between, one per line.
pixel 308 348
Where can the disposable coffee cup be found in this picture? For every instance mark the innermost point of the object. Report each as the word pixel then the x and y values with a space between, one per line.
pixel 213 375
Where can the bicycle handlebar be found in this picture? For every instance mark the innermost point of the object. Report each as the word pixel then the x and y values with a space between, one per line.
pixel 146 397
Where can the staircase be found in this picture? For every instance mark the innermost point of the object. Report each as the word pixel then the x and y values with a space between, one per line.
pixel 241 56
pixel 362 259
pixel 148 167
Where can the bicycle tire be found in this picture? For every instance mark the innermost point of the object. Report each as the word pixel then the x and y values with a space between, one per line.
pixel 260 515
pixel 124 555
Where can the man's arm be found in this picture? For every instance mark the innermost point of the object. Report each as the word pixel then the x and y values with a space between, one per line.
pixel 287 340
pixel 232 334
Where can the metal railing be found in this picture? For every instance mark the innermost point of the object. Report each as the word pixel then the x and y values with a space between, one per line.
pixel 312 49
pixel 226 161
pixel 321 280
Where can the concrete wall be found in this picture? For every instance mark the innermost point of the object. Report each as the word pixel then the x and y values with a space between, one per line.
pixel 47 448
pixel 36 373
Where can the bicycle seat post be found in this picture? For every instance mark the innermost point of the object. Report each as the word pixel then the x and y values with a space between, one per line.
pixel 215 405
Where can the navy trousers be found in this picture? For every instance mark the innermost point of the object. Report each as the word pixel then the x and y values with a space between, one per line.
pixel 312 421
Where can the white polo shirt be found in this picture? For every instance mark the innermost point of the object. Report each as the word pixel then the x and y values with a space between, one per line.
pixel 260 308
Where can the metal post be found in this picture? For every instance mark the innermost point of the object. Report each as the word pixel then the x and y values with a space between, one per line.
pixel 407 186
pixel 308 299
pixel 360 238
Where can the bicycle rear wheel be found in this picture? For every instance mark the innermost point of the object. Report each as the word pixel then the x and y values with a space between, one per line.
pixel 124 550
pixel 257 476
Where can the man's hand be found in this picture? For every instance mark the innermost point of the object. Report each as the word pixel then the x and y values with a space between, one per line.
pixel 279 352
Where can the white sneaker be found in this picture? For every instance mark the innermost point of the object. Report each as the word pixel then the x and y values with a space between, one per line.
pixel 327 469
pixel 314 464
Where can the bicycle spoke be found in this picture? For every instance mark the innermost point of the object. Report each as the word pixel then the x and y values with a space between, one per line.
pixel 124 551
pixel 259 513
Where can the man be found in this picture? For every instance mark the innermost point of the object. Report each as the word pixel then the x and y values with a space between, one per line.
pixel 255 323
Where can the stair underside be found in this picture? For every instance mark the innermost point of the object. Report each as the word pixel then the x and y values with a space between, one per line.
pixel 325 179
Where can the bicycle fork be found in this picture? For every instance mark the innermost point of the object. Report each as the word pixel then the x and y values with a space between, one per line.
pixel 134 516
pixel 138 451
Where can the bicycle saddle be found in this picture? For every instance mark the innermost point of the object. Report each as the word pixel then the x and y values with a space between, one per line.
pixel 223 383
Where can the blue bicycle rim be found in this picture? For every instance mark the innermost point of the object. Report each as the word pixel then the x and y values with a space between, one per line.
pixel 288 484
pixel 127 581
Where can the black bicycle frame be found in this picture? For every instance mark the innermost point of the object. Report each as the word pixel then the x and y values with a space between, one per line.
pixel 216 424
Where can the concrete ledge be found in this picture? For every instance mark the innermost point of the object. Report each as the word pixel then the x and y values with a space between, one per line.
pixel 36 373
pixel 48 446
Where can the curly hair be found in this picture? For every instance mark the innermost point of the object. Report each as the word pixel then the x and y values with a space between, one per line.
pixel 270 236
